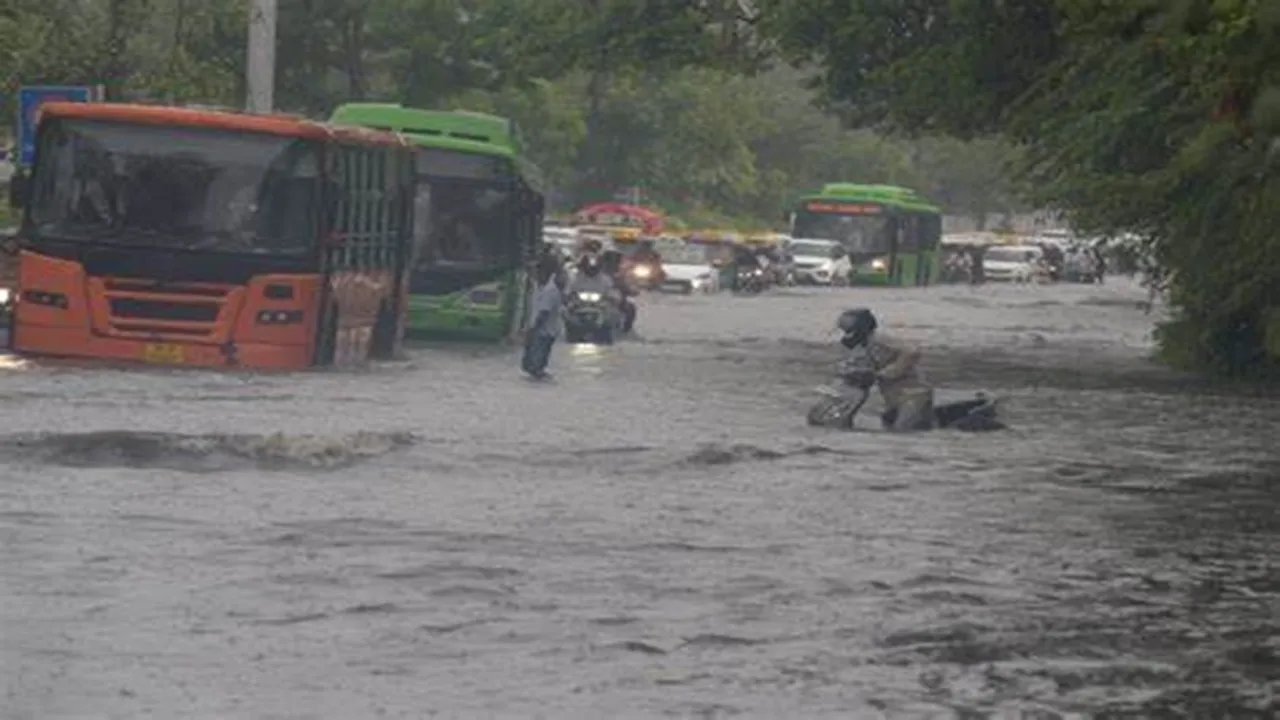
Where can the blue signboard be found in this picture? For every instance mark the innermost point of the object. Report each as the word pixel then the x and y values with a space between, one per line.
pixel 29 101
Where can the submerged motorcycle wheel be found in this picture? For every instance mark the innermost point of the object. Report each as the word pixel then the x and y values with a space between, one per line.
pixel 830 412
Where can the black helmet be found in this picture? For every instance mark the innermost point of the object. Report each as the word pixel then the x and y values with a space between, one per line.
pixel 589 265
pixel 857 325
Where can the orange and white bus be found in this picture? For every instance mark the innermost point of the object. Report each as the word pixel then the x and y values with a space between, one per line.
pixel 205 238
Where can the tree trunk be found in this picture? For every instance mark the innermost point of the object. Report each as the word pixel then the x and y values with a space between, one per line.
pixel 114 68
pixel 353 55
pixel 587 166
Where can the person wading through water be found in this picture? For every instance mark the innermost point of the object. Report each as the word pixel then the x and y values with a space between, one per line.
pixel 545 322
pixel 908 400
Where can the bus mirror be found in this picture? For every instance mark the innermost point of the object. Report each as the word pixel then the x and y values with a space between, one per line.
pixel 18 191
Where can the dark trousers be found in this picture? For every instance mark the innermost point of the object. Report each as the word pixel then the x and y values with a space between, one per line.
pixel 537 353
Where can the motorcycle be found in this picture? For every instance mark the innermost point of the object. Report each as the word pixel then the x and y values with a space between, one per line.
pixel 840 404
pixel 751 280
pixel 646 275
pixel 589 317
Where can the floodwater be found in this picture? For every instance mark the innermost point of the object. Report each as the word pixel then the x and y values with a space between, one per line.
pixel 656 533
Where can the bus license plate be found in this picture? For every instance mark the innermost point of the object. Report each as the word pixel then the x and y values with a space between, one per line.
pixel 162 353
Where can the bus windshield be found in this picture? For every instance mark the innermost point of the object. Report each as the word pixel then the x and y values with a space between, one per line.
pixel 471 225
pixel 175 188
pixel 857 233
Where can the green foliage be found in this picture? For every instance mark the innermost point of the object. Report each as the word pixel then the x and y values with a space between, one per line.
pixel 665 95
pixel 731 149
pixel 1144 116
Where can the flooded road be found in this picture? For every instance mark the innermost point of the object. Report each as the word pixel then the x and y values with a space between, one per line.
pixel 657 533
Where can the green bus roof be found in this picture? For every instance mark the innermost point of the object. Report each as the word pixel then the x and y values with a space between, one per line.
pixel 890 195
pixel 460 130
pixel 446 129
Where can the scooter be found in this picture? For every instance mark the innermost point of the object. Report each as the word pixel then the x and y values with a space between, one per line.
pixel 840 405
pixel 589 317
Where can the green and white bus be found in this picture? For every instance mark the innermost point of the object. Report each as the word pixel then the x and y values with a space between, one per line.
pixel 890 233
pixel 477 220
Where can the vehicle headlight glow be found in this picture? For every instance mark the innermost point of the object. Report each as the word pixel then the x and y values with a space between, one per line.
pixel 589 296
pixel 5 296
pixel 878 264
pixel 643 271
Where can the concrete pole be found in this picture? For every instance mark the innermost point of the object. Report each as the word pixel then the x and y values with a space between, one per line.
pixel 260 65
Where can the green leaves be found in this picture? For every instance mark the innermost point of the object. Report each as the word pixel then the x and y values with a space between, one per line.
pixel 1160 118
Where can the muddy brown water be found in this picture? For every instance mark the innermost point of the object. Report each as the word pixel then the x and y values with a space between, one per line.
pixel 656 533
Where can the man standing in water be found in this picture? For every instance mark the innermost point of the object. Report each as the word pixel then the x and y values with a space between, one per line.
pixel 544 319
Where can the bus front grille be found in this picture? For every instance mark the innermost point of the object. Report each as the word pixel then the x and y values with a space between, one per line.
pixel 138 309
pixel 186 310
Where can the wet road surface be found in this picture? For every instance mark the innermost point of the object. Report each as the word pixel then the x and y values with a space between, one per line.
pixel 656 533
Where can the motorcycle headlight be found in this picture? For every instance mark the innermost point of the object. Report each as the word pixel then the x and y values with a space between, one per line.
pixel 589 296
pixel 642 271
pixel 878 264
pixel 5 296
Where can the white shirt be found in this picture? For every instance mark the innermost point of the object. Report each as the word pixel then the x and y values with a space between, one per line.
pixel 547 299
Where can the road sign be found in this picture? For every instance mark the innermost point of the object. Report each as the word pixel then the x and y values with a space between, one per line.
pixel 29 101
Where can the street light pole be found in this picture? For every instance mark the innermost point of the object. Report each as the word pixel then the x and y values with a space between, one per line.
pixel 260 68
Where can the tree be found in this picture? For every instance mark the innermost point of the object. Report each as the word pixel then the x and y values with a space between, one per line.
pixel 1133 115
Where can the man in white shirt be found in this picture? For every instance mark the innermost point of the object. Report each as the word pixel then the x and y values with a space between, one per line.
pixel 545 323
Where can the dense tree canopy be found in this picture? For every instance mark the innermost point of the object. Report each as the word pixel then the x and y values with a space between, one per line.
pixel 1156 117
pixel 668 96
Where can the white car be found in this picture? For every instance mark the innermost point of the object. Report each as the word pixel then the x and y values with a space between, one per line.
pixel 687 269
pixel 1012 263
pixel 813 262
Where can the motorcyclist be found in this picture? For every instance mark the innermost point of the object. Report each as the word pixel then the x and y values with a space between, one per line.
pixel 908 400
pixel 590 278
pixel 612 264
pixel 646 255
pixel 745 262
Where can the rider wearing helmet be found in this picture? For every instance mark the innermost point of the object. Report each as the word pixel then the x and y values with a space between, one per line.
pixel 908 400
pixel 590 277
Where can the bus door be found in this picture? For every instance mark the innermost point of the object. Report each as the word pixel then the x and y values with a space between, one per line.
pixel 930 236
pixel 527 231
pixel 893 231
pixel 365 247
pixel 909 250
pixel 422 230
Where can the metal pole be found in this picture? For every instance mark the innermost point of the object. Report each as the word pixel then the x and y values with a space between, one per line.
pixel 260 68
